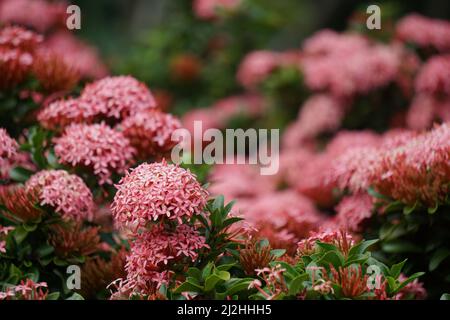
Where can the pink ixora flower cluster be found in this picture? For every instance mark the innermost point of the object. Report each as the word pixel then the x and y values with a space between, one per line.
pixel 3 233
pixel 407 167
pixel 111 98
pixel 30 13
pixel 363 66
pixel 97 147
pixel 157 191
pixel 258 65
pixel 432 100
pixel 148 199
pixel 17 47
pixel 66 193
pixel 26 290
pixel 424 32
pixel 150 132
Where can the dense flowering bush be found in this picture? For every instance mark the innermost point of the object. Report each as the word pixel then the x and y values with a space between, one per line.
pixel 358 209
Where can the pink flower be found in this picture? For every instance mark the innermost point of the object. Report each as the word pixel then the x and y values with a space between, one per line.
pixel 341 239
pixel 157 191
pixel 417 170
pixel 424 32
pixel 434 77
pixel 327 41
pixel 280 213
pixel 353 211
pixel 66 193
pixel 152 254
pixel 8 146
pixel 26 290
pixel 14 37
pixel 14 67
pixel 412 291
pixel 207 9
pixel 362 66
pixel 95 146
pixel 38 14
pixel 150 132
pixel 256 66
pixel 77 54
pixel 319 114
pixel 239 181
pixel 62 113
pixel 119 97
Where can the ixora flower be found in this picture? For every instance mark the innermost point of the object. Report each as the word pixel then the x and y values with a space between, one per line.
pixel 256 66
pixel 14 66
pixel 434 77
pixel 157 191
pixel 424 32
pixel 353 211
pixel 14 37
pixel 81 56
pixel 95 146
pixel 8 146
pixel 417 170
pixel 64 192
pixel 150 132
pixel 26 290
pixel 119 97
pixel 61 113
pixel 54 72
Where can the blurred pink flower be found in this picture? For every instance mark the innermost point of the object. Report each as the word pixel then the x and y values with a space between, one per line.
pixel 256 66
pixel 96 146
pixel 353 211
pixel 157 191
pixel 8 146
pixel 434 77
pixel 40 15
pixel 79 55
pixel 425 32
pixel 66 193
pixel 362 66
pixel 14 37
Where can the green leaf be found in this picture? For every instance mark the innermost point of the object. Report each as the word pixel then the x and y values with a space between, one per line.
pixel 188 287
pixel 277 253
pixel 53 296
pixel 194 273
pixel 45 250
pixel 20 234
pixel 29 227
pixel 207 270
pixel 437 258
pixel 75 296
pixel 20 174
pixel 296 285
pixel 361 247
pixel 396 269
pixel 377 195
pixel 226 267
pixel 409 280
pixel 215 278
pixel 218 202
pixel 433 210
pixel 333 257
pixel 326 246
pixel 399 246
pixel 445 296
pixel 409 209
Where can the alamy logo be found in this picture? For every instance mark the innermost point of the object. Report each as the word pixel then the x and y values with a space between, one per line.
pixel 73 21
pixel 374 20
